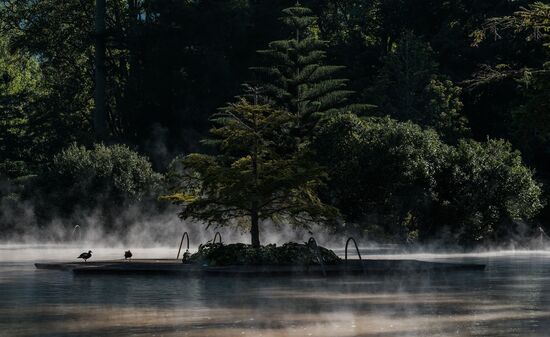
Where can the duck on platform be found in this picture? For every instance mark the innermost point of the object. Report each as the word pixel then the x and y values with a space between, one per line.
pixel 127 255
pixel 85 256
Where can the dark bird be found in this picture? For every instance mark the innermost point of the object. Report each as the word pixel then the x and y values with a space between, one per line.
pixel 85 256
pixel 186 256
pixel 127 254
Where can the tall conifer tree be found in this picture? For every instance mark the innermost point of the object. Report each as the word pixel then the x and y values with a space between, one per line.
pixel 249 182
pixel 296 78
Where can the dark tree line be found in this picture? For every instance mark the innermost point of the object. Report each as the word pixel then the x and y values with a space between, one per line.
pixel 455 77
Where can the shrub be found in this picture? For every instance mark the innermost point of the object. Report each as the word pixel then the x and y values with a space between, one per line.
pixel 217 254
pixel 400 182
pixel 483 190
pixel 102 178
pixel 382 172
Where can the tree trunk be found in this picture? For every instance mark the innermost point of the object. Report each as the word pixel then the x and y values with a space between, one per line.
pixel 254 229
pixel 100 115
pixel 254 218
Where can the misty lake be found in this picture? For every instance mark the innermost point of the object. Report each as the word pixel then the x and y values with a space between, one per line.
pixel 511 298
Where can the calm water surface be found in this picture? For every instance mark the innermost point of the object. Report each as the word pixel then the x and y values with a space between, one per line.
pixel 511 298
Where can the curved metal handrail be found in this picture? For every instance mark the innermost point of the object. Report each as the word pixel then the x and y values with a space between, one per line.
pixel 74 231
pixel 543 234
pixel 358 253
pixel 181 243
pixel 216 236
pixel 312 242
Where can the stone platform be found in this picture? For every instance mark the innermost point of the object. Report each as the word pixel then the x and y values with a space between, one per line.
pixel 172 266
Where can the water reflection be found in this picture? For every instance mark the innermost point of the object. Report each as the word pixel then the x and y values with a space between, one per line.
pixel 510 299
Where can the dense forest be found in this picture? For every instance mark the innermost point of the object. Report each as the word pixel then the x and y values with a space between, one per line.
pixel 398 120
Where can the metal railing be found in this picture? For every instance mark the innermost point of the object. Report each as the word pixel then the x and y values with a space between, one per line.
pixel 217 235
pixel 185 235
pixel 358 253
pixel 77 227
pixel 312 243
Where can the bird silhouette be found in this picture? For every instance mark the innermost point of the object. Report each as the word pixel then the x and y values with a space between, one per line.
pixel 186 256
pixel 85 256
pixel 127 255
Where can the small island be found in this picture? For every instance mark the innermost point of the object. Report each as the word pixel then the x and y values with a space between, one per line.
pixel 246 260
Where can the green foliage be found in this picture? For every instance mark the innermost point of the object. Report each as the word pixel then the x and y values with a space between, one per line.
pixel 406 71
pixel 297 78
pixel 410 88
pixel 396 179
pixel 217 254
pixel 59 37
pixel 249 181
pixel 529 128
pixel 526 29
pixel 530 24
pixel 483 189
pixel 381 171
pixel 530 120
pixel 444 110
pixel 104 177
pixel 171 63
pixel 21 84
pixel 534 20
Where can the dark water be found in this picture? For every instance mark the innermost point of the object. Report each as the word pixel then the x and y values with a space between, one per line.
pixel 511 298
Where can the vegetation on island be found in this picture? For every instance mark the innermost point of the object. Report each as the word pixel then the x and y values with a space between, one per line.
pixel 290 253
pixel 251 180
pixel 400 121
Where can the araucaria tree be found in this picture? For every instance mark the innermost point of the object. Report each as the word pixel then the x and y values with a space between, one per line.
pixel 295 77
pixel 249 182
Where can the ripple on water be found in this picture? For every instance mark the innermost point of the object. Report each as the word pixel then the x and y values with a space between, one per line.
pixel 512 298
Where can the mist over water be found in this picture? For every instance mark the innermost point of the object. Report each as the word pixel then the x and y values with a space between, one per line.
pixel 511 298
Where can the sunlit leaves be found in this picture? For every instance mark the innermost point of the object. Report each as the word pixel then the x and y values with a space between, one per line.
pixel 249 175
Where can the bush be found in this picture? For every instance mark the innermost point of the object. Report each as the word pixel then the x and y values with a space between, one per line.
pixel 104 178
pixel 398 182
pixel 382 172
pixel 483 191
pixel 217 254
